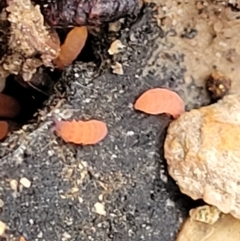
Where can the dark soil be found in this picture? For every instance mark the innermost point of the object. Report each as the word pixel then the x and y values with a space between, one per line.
pixel 126 172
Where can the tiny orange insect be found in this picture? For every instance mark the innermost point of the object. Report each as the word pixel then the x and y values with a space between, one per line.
pixel 81 132
pixel 21 239
pixel 159 101
pixel 4 128
pixel 9 107
pixel 72 46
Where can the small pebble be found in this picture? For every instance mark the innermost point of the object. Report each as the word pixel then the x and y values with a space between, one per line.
pixel 50 152
pixel 40 235
pixel 31 221
pixel 132 38
pixel 66 236
pixel 1 203
pixel 25 182
pixel 99 208
pixel 14 184
pixel 116 47
pixel 114 27
pixel 100 197
pixel 2 228
pixel 117 68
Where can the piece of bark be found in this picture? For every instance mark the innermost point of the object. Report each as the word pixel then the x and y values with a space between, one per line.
pixel 203 155
pixel 81 12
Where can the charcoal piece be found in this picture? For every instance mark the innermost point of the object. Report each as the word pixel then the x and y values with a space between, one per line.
pixel 86 12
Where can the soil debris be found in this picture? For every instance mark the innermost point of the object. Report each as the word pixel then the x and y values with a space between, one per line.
pixel 218 85
pixel 205 32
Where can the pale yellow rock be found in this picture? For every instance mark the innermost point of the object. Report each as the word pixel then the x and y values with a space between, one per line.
pixel 117 68
pixel 116 47
pixel 25 182
pixel 205 214
pixel 13 184
pixel 2 228
pixel 99 208
pixel 202 149
pixel 225 228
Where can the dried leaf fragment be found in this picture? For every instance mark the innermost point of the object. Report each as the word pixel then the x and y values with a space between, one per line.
pixel 81 132
pixel 72 46
pixel 159 101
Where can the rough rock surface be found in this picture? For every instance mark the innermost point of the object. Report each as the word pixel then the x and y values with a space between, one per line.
pixel 225 228
pixel 202 151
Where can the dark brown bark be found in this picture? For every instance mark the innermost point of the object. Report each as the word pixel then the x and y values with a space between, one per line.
pixel 86 12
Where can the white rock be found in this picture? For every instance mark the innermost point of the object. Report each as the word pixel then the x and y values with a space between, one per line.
pixel 3 227
pixel 25 182
pixel 202 149
pixel 99 208
pixel 14 184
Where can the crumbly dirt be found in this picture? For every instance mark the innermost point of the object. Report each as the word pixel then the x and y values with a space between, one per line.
pixel 206 33
pixel 125 173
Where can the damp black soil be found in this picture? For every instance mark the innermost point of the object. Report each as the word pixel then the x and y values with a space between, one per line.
pixel 32 95
pixel 126 172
